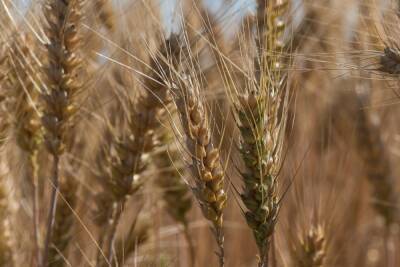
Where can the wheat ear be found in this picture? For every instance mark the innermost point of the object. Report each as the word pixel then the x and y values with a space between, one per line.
pixel 62 87
pixel 26 118
pixel 144 119
pixel 120 182
pixel 377 166
pixel 206 164
pixel 261 115
pixel 312 249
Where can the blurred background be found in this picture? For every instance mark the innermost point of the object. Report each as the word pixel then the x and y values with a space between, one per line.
pixel 342 143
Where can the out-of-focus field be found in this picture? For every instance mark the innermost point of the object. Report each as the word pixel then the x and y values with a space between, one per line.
pixel 129 135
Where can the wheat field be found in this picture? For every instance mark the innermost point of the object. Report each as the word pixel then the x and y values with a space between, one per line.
pixel 199 133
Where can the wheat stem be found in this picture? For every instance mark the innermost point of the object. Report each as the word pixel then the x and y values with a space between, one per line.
pixel 111 238
pixel 35 204
pixel 261 116
pixel 52 211
pixel 60 92
pixel 63 225
pixel 206 164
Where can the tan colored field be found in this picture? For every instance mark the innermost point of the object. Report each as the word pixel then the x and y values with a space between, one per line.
pixel 199 133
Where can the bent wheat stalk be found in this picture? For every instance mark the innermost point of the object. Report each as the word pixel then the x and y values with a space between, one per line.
pixel 144 117
pixel 206 163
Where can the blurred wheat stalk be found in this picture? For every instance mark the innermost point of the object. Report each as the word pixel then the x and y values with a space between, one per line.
pixel 265 113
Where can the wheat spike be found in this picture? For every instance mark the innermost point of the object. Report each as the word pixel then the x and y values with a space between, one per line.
pixel 62 86
pixel 261 115
pixel 378 169
pixel 312 249
pixel 127 164
pixel 26 118
pixel 206 164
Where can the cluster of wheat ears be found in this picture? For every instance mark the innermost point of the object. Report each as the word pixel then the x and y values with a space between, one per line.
pixel 277 119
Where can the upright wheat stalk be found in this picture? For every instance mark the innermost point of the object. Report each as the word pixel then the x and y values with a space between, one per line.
pixel 62 231
pixel 61 89
pixel 377 166
pixel 26 119
pixel 138 234
pixel 371 147
pixel 261 115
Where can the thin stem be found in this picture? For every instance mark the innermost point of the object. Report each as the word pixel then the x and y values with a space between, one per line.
pixel 99 254
pixel 264 256
pixel 35 203
pixel 220 242
pixel 53 209
pixel 113 230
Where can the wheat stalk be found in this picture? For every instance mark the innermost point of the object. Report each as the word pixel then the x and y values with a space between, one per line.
pixel 144 117
pixel 120 180
pixel 206 164
pixel 377 166
pixel 62 87
pixel 261 113
pixel 62 231
pixel 311 250
pixel 137 235
pixel 26 118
